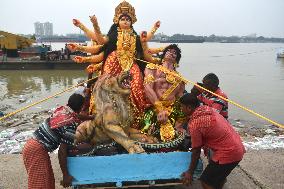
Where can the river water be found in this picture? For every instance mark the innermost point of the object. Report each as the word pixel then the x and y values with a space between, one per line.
pixel 250 74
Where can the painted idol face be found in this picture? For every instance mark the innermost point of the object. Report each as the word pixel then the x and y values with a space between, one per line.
pixel 124 22
pixel 171 54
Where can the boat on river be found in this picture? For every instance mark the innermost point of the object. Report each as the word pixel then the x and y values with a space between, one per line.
pixel 280 53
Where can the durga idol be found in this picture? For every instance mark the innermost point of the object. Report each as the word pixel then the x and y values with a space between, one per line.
pixel 118 51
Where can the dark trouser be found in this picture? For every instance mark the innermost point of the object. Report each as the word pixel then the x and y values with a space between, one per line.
pixel 215 174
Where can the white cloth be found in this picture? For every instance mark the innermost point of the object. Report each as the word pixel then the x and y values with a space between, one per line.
pixel 80 90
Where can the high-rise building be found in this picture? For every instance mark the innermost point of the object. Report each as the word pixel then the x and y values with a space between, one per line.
pixel 43 29
pixel 48 29
pixel 39 31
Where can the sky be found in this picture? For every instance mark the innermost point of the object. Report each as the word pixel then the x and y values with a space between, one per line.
pixel 192 17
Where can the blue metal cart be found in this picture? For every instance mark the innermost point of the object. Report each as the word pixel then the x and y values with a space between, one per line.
pixel 126 170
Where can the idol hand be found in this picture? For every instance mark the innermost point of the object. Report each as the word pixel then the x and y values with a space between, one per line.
pixel 78 59
pixel 162 116
pixel 72 47
pixel 94 20
pixel 157 24
pixel 76 22
pixel 143 36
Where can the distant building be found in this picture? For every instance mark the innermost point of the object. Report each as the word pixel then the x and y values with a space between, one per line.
pixel 160 36
pixel 43 29
pixel 39 30
pixel 48 29
pixel 253 35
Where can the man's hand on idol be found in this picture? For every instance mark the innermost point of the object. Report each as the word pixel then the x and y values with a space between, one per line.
pixel 186 178
pixel 67 181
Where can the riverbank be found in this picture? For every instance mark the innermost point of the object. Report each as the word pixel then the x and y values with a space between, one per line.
pixel 16 130
pixel 259 169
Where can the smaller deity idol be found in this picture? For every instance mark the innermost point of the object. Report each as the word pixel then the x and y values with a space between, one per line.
pixel 163 91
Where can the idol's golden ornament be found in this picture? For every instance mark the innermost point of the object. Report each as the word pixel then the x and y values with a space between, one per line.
pixel 124 8
pixel 149 79
pixel 170 74
pixel 167 132
pixel 126 48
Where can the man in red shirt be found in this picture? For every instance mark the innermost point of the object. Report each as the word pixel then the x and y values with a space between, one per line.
pixel 211 82
pixel 209 129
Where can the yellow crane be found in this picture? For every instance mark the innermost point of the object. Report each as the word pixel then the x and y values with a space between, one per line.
pixel 11 41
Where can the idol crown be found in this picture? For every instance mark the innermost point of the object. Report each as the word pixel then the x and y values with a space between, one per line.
pixel 124 8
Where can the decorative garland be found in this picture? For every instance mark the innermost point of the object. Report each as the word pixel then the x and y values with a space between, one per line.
pixel 171 144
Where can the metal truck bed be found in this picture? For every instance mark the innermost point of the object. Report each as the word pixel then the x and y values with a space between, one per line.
pixel 126 170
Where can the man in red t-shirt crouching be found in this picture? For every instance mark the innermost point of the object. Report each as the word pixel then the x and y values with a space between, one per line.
pixel 210 129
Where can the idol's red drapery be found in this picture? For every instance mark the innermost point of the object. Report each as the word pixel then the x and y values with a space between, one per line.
pixel 137 97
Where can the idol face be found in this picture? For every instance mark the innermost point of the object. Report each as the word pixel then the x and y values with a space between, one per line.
pixel 171 54
pixel 124 22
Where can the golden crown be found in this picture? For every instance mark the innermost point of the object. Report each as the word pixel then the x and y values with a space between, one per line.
pixel 124 8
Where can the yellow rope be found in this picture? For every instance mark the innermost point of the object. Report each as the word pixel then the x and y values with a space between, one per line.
pixel 45 99
pixel 230 101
